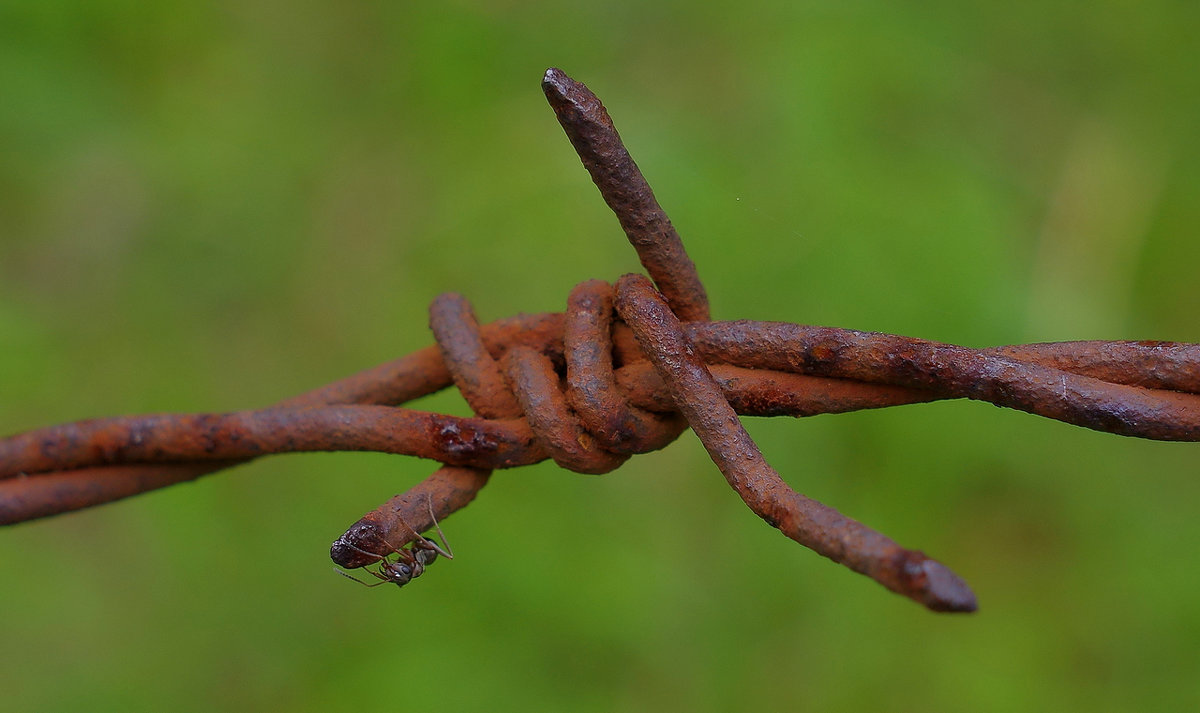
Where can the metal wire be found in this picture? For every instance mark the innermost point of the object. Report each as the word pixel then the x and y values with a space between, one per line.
pixel 624 370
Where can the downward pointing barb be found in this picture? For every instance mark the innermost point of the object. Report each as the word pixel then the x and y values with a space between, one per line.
pixel 812 524
pixel 945 590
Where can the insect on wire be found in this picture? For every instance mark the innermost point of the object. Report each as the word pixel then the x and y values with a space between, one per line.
pixel 411 560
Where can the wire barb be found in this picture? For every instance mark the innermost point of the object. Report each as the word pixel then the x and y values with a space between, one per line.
pixel 812 524
pixel 627 193
pixel 624 370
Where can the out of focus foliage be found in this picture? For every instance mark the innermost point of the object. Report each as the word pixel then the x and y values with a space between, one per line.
pixel 212 206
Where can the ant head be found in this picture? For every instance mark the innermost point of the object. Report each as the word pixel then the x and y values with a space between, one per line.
pixel 399 573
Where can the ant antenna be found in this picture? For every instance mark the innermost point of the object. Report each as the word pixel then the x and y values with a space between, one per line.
pixel 351 577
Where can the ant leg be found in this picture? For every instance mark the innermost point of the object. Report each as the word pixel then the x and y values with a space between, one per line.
pixel 376 555
pixel 404 554
pixel 447 553
pixel 349 576
pixel 407 557
pixel 425 542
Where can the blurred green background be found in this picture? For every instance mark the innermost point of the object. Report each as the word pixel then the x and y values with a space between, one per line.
pixel 215 206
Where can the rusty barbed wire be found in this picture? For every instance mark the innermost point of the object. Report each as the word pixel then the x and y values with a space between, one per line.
pixel 625 370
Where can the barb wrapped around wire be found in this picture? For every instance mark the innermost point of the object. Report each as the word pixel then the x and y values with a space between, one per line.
pixel 624 370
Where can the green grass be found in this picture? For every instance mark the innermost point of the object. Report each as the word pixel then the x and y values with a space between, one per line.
pixel 213 208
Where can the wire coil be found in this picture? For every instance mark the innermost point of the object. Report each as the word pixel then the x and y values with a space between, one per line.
pixel 624 370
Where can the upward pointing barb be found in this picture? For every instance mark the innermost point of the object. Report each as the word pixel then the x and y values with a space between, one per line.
pixel 627 193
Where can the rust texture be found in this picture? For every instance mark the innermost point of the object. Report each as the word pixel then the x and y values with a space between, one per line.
pixel 627 193
pixel 803 519
pixel 624 370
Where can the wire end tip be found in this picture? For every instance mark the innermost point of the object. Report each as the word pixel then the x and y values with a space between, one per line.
pixel 555 81
pixel 945 591
pixel 573 102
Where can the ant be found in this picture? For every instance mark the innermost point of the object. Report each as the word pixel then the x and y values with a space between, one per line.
pixel 412 561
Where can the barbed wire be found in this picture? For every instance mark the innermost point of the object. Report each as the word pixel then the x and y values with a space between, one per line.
pixel 624 370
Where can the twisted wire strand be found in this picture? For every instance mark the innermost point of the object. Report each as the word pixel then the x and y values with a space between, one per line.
pixel 589 390
pixel 418 374
pixel 782 366
pixel 927 370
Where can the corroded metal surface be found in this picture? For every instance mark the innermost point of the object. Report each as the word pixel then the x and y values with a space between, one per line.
pixel 627 193
pixel 812 524
pixel 622 371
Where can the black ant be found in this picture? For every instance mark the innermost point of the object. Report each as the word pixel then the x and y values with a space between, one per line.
pixel 412 560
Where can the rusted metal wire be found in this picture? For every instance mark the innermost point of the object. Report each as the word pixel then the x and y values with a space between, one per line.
pixel 623 371
pixel 806 521
pixel 627 193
